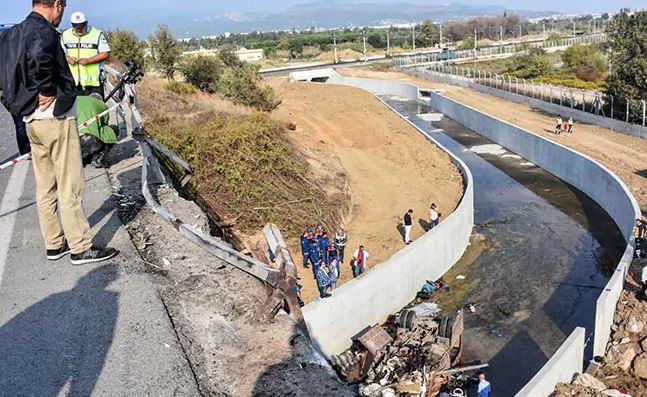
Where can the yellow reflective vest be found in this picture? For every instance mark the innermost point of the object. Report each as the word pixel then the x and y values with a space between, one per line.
pixel 81 47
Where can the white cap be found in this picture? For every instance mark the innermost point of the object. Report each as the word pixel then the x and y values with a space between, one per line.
pixel 78 18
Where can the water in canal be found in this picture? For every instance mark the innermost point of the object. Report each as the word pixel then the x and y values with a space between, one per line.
pixel 551 251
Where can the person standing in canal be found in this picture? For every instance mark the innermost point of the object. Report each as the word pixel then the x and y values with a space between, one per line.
pixel 484 388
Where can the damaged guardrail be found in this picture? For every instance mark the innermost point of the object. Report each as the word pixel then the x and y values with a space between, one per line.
pixel 282 286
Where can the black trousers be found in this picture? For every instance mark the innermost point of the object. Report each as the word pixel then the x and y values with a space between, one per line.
pixel 21 135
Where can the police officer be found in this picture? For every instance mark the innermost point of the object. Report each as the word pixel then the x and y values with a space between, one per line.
pixel 86 49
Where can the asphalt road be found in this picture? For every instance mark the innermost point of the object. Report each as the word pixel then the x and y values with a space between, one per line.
pixel 96 330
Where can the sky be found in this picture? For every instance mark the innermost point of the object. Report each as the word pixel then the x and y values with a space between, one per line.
pixel 15 10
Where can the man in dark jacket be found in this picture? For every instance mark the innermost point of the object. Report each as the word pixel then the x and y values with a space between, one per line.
pixel 39 87
pixel 21 128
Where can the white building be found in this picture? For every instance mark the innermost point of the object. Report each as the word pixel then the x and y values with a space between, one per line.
pixel 246 55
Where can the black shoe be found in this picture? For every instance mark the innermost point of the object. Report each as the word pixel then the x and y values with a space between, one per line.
pixel 54 255
pixel 326 295
pixel 93 255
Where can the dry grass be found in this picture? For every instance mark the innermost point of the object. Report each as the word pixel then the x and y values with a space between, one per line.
pixel 247 171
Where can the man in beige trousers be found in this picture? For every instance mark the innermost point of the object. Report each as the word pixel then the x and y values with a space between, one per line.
pixel 39 86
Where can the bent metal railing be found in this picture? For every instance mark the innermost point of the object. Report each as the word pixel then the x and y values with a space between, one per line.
pixel 281 285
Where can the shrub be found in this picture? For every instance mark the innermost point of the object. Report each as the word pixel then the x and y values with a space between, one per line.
pixel 180 88
pixel 585 61
pixel 125 45
pixel 532 64
pixel 202 71
pixel 242 86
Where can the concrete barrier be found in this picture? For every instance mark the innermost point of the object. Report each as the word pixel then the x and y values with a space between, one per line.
pixel 567 361
pixel 391 285
pixel 552 108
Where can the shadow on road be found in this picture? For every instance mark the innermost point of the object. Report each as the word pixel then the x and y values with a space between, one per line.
pixel 60 343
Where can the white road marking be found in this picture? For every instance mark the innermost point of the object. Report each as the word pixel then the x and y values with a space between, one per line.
pixel 10 202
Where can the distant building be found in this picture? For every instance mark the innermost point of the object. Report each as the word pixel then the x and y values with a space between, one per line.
pixel 246 55
pixel 243 54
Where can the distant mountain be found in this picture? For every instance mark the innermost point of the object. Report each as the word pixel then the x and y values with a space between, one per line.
pixel 321 14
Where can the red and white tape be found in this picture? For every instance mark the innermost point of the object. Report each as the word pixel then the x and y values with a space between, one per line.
pixel 15 161
pixel 81 126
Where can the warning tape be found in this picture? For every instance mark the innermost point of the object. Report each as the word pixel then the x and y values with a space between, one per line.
pixel 81 126
pixel 15 161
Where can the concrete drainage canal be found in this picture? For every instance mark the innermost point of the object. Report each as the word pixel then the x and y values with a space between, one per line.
pixel 550 251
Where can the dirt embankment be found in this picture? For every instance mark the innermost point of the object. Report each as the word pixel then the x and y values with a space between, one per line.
pixel 389 165
pixel 622 154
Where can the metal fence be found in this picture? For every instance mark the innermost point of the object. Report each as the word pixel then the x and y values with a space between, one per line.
pixel 496 51
pixel 628 110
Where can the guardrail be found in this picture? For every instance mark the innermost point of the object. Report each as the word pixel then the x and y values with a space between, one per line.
pixel 502 50
pixel 276 279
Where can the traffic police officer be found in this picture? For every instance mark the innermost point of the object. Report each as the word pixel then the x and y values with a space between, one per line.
pixel 86 50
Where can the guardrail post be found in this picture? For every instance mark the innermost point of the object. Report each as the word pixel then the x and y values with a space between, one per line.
pixel 583 101
pixel 561 98
pixel 532 88
pixel 611 106
pixel 516 81
pixel 643 102
pixel 541 91
pixel 572 100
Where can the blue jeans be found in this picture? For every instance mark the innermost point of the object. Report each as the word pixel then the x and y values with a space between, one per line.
pixel 21 135
pixel 358 270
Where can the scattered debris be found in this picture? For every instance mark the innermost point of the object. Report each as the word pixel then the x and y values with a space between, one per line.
pixel 405 355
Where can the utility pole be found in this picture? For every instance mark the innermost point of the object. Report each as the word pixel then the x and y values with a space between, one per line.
pixel 573 28
pixel 441 35
pixel 476 39
pixel 365 52
pixel 413 37
pixel 544 25
pixel 388 41
pixel 334 39
pixel 520 32
pixel 501 33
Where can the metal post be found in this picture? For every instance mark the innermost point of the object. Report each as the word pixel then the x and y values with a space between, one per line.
pixel 612 107
pixel 388 41
pixel 413 37
pixel 572 100
pixel 627 109
pixel 334 40
pixel 561 98
pixel 583 101
pixel 643 102
pixel 532 89
pixel 550 92
pixel 516 81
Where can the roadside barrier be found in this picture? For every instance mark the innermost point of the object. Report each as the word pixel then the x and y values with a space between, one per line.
pixel 80 127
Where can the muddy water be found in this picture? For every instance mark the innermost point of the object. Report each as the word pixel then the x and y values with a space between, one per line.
pixel 550 251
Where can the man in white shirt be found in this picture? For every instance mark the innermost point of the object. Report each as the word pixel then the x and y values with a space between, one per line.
pixel 434 216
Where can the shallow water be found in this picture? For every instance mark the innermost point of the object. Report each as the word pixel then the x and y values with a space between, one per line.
pixel 551 252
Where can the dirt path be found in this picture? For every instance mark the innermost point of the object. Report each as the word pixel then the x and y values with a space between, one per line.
pixel 622 154
pixel 390 166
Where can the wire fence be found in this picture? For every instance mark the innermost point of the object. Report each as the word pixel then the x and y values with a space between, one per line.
pixel 628 110
pixel 496 51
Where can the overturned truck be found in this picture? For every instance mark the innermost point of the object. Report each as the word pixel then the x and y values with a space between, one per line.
pixel 408 355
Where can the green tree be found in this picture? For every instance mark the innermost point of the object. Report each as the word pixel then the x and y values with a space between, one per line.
pixel 165 51
pixel 125 45
pixel 429 34
pixel 627 43
pixel 228 57
pixel 202 71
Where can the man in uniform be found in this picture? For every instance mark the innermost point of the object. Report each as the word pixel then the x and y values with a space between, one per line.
pixel 86 50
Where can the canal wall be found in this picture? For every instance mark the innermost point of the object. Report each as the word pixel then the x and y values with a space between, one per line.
pixel 390 286
pixel 579 170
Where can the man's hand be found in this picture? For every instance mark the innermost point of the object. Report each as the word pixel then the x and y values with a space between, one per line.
pixel 44 102
pixel 84 61
pixel 71 60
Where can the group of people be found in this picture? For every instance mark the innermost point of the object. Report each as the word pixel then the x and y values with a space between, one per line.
pixel 563 126
pixel 326 256
pixel 434 220
pixel 41 75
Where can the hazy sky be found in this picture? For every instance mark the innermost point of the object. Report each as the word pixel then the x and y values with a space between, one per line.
pixel 15 10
